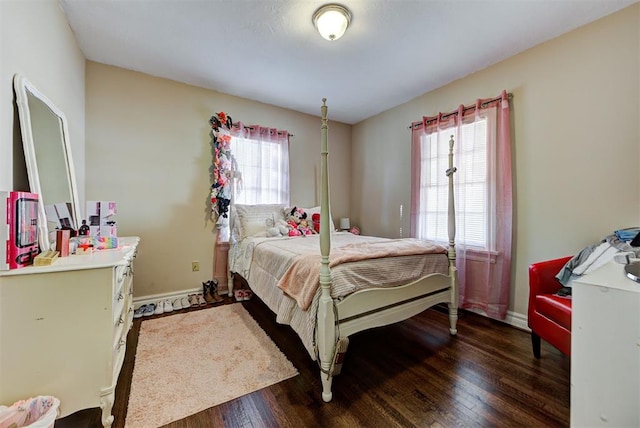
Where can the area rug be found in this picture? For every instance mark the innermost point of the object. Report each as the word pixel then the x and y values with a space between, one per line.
pixel 186 363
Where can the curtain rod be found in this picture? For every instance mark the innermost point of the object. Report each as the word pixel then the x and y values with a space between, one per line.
pixel 467 108
pixel 251 127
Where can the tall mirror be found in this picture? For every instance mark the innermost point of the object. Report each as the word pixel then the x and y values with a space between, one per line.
pixel 47 151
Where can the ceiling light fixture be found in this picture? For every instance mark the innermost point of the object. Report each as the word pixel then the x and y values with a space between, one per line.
pixel 332 21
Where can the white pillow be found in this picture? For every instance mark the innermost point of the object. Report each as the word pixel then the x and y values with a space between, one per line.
pixel 252 219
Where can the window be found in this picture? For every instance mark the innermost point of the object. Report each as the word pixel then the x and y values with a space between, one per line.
pixel 250 166
pixel 483 192
pixel 262 159
pixel 473 194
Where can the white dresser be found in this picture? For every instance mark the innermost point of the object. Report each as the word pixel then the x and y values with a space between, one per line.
pixel 63 329
pixel 605 349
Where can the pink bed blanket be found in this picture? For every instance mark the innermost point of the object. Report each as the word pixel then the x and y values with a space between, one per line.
pixel 302 279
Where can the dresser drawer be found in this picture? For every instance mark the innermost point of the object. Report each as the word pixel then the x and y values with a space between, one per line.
pixel 129 316
pixel 119 306
pixel 119 348
pixel 65 310
pixel 123 290
pixel 120 277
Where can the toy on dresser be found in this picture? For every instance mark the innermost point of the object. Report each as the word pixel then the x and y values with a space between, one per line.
pixel 100 215
pixel 101 233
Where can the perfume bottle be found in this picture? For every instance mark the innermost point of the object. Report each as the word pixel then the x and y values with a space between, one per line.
pixel 84 229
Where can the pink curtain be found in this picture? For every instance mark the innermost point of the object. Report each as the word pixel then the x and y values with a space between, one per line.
pixel 484 272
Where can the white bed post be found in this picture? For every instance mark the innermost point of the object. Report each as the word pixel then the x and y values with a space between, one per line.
pixel 453 305
pixel 326 317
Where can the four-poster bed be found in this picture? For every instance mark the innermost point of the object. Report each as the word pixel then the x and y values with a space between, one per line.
pixel 367 282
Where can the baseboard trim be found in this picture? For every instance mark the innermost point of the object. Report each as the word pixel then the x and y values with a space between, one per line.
pixel 518 320
pixel 155 298
pixel 514 319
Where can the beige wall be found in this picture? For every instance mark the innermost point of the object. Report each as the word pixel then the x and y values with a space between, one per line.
pixel 575 135
pixel 575 143
pixel 148 148
pixel 36 41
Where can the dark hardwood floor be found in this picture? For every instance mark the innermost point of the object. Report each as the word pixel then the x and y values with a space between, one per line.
pixel 408 374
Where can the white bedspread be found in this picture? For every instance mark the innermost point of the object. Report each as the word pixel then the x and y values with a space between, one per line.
pixel 263 261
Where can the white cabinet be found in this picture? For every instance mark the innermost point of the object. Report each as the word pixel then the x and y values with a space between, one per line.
pixel 63 329
pixel 605 349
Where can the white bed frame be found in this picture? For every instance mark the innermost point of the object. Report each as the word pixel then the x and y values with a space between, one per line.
pixel 374 307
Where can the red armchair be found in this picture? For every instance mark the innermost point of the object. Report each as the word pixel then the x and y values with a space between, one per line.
pixel 549 314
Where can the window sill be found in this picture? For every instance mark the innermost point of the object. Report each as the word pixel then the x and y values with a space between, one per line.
pixel 477 255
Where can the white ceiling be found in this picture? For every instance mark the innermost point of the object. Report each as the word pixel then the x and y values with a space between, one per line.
pixel 269 50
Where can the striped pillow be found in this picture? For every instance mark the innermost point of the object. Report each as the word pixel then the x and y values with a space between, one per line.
pixel 252 219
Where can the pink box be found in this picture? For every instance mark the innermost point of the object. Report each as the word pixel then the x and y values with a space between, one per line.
pixel 62 242
pixel 18 229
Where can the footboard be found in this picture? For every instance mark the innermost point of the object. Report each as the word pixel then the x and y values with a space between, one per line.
pixel 373 307
pixel 376 307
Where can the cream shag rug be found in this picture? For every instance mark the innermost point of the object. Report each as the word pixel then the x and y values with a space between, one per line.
pixel 185 363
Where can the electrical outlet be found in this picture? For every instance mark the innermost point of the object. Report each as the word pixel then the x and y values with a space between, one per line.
pixel 195 266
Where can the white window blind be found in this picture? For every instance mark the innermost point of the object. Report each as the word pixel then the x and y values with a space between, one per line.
pixel 264 171
pixel 471 184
